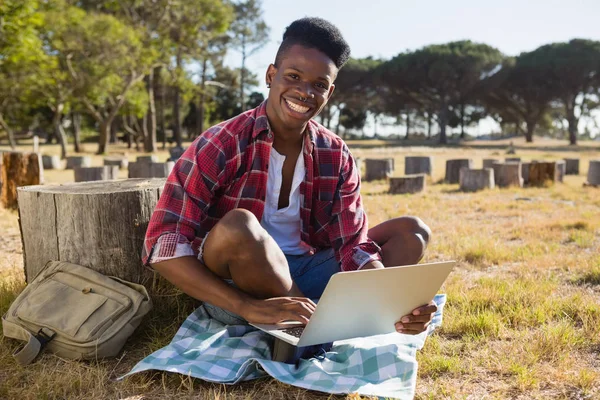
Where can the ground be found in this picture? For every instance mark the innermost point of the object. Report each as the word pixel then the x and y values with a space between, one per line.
pixel 523 313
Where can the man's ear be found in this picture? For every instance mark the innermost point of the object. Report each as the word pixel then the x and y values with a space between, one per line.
pixel 331 89
pixel 271 71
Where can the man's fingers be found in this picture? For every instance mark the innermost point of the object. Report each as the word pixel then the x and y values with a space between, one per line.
pixel 416 318
pixel 412 328
pixel 427 309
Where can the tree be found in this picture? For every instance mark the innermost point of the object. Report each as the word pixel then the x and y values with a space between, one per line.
pixel 573 68
pixel 249 33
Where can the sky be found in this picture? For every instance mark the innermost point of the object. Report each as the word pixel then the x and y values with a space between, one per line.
pixel 384 28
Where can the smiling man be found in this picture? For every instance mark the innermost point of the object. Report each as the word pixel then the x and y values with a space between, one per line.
pixel 263 209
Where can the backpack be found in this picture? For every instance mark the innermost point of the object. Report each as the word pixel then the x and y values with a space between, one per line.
pixel 75 312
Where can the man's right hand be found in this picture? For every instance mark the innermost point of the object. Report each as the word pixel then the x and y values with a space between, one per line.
pixel 278 309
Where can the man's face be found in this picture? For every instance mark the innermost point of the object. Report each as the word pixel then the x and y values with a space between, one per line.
pixel 300 86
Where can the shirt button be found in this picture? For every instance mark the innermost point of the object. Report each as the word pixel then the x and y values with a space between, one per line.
pixel 270 135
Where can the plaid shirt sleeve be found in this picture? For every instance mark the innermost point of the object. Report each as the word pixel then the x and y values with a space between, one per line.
pixel 348 227
pixel 186 197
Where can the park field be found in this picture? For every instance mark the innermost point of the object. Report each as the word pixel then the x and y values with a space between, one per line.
pixel 523 314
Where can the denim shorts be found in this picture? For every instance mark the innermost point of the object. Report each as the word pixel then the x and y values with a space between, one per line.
pixel 311 272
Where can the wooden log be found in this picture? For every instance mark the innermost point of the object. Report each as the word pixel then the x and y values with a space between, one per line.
pixel 18 169
pixel 488 162
pixel 572 166
pixel 79 161
pixel 100 225
pixel 512 159
pixel 593 175
pixel 147 159
pixel 51 162
pixel 453 168
pixel 175 153
pixel 473 180
pixel 150 170
pixel 407 184
pixel 508 174
pixel 105 173
pixel 525 165
pixel 418 165
pixel 542 173
pixel 120 161
pixel 378 168
pixel 561 169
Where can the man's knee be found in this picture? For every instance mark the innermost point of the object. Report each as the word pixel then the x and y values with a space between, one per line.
pixel 419 228
pixel 240 226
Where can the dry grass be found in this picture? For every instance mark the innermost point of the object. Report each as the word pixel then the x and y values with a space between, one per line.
pixel 523 313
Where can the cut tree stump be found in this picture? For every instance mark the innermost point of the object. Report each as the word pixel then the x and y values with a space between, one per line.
pixel 418 165
pixel 100 225
pixel 359 165
pixel 593 176
pixel 542 173
pixel 18 169
pixel 473 180
pixel 120 161
pixel 488 162
pixel 51 162
pixel 561 169
pixel 105 173
pixel 150 170
pixel 525 165
pixel 378 168
pixel 453 169
pixel 414 183
pixel 572 166
pixel 147 159
pixel 512 159
pixel 508 174
pixel 79 161
pixel 176 152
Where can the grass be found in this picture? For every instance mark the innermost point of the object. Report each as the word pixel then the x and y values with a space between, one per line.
pixel 522 319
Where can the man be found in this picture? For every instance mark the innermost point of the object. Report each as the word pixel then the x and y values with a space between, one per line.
pixel 262 209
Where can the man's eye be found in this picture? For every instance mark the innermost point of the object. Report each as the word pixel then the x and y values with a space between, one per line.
pixel 294 76
pixel 322 86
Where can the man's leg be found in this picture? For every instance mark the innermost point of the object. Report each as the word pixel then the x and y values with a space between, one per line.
pixel 238 248
pixel 402 240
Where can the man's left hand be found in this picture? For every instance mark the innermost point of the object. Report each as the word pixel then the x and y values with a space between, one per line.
pixel 417 321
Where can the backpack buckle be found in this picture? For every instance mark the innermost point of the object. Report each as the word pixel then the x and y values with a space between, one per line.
pixel 44 335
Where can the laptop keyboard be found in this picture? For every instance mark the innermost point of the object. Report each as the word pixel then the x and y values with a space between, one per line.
pixel 295 331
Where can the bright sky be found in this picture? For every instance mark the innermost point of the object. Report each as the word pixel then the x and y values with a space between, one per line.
pixel 383 28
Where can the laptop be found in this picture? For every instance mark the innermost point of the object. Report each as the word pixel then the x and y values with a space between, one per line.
pixel 364 303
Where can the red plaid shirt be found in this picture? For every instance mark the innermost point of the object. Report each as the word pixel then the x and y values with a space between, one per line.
pixel 226 168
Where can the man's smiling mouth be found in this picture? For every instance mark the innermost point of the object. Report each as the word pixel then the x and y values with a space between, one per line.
pixel 296 107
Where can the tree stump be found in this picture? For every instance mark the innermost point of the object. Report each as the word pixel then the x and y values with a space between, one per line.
pixel 105 173
pixel 100 225
pixel 120 161
pixel 378 168
pixel 79 161
pixel 593 176
pixel 147 159
pixel 525 171
pixel 150 170
pixel 453 169
pixel 508 174
pixel 407 184
pixel 512 159
pixel 176 152
pixel 18 169
pixel 51 162
pixel 473 180
pixel 572 166
pixel 418 165
pixel 489 162
pixel 542 172
pixel 359 165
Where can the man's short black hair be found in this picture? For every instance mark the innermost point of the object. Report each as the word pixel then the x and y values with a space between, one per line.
pixel 316 33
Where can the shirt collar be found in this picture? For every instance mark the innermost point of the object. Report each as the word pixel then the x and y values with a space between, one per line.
pixel 261 124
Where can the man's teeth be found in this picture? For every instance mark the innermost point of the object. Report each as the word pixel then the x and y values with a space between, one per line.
pixel 297 108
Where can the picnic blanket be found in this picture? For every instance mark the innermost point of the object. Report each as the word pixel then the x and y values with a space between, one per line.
pixel 383 365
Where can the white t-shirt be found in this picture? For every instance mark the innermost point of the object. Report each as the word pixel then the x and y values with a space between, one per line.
pixel 284 225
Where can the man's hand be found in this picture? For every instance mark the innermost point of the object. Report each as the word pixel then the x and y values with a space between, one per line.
pixel 278 309
pixel 417 321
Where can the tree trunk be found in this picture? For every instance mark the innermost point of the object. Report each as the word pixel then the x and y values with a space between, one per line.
pixel 77 131
pixel 337 126
pixel 572 121
pixel 429 125
pixel 407 125
pixel 243 74
pixel 529 132
pixel 104 137
pixel 109 220
pixel 200 120
pixel 18 169
pixel 162 135
pixel 462 121
pixel 150 140
pixel 443 121
pixel 9 132
pixel 177 105
pixel 59 130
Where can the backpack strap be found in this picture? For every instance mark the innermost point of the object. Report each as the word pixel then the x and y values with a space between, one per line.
pixel 35 343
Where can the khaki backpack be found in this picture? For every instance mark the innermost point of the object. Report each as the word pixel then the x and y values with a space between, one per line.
pixel 75 312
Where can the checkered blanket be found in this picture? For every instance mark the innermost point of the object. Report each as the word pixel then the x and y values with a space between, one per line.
pixel 383 365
